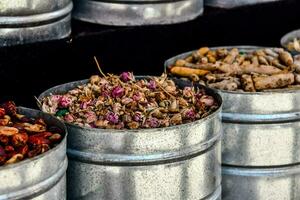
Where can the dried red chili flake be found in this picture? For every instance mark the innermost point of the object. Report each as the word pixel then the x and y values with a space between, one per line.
pixel 123 102
pixel 2 112
pixel 22 137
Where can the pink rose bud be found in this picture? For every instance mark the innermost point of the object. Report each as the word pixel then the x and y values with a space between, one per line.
pixel 112 118
pixel 126 76
pixel 117 92
pixel 137 116
pixel 207 100
pixel 152 123
pixel 190 114
pixel 55 98
pixel 69 118
pixel 65 102
pixel 136 97
pixel 90 117
pixel 152 85
pixel 83 105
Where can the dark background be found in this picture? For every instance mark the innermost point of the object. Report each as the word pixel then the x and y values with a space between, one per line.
pixel 28 70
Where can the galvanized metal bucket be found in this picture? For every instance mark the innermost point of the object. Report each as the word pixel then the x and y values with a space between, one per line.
pixel 261 144
pixel 29 21
pixel 181 162
pixel 234 3
pixel 40 178
pixel 289 37
pixel 137 12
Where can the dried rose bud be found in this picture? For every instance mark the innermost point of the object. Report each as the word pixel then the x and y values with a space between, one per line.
pixel 69 118
pixel 152 123
pixel 126 100
pixel 95 79
pixel 55 99
pixel 117 92
pixel 137 116
pixel 83 105
pixel 133 125
pixel 152 85
pixel 207 100
pixel 112 118
pixel 90 117
pixel 19 139
pixel 137 96
pixel 65 102
pixel 2 112
pixel 126 76
pixel 187 92
pixel 190 114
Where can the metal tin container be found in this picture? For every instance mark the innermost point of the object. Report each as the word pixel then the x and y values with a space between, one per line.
pixel 40 178
pixel 289 37
pixel 261 144
pixel 234 3
pixel 29 21
pixel 137 12
pixel 180 162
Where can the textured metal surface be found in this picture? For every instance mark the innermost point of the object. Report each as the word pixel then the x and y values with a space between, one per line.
pixel 261 184
pixel 30 7
pixel 289 37
pixel 20 27
pixel 40 178
pixel 129 13
pixel 234 3
pixel 179 162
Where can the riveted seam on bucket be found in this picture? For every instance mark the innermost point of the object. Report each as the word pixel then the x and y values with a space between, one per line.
pixel 40 187
pixel 143 159
pixel 36 18
pixel 261 172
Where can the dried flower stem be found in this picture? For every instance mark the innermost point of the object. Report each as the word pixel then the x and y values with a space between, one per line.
pixel 99 68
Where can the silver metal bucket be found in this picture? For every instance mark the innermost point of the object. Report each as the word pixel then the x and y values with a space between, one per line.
pixel 40 178
pixel 234 3
pixel 175 163
pixel 137 12
pixel 261 143
pixel 29 21
pixel 261 146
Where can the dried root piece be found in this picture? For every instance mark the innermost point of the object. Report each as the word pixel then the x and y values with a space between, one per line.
pixel 224 85
pixel 8 131
pixel 230 58
pixel 274 81
pixel 286 58
pixel 247 83
pixel 186 72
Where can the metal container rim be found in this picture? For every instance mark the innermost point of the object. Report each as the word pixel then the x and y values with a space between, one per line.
pixel 277 91
pixel 142 131
pixel 287 37
pixel 28 160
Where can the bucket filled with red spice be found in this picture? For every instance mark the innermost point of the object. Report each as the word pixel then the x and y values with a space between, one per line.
pixel 33 159
pixel 139 137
